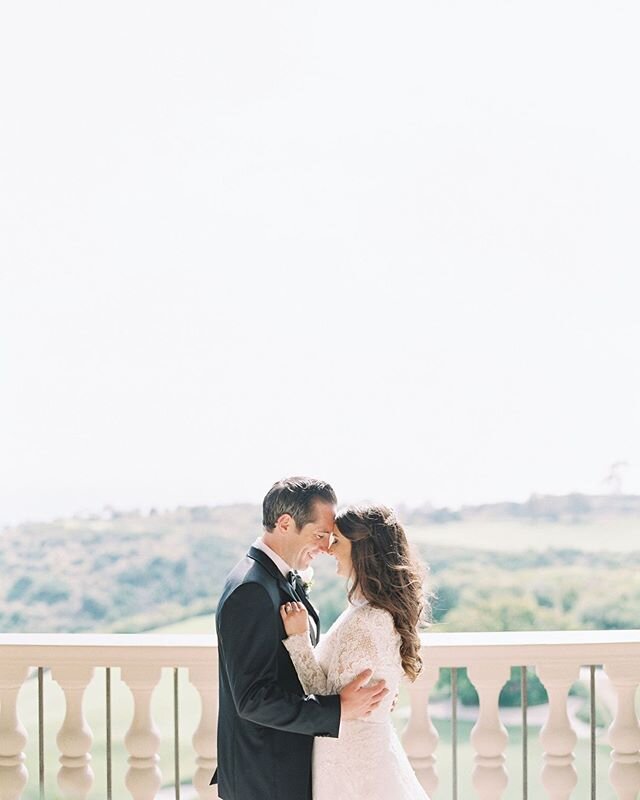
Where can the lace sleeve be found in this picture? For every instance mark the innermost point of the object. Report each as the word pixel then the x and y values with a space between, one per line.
pixel 368 641
pixel 311 674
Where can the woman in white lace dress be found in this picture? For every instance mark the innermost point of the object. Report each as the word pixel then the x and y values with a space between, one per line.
pixel 377 631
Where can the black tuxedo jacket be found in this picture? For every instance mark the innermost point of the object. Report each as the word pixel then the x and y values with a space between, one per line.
pixel 266 723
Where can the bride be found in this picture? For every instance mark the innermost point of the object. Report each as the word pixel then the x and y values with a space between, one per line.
pixel 377 631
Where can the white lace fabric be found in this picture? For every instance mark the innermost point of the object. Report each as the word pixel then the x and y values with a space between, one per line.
pixel 367 760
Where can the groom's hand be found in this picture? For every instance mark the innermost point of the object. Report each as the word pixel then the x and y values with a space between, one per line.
pixel 358 700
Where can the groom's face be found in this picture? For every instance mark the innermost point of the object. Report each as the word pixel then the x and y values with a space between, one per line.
pixel 314 537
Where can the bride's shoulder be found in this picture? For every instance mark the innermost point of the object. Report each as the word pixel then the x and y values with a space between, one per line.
pixel 372 616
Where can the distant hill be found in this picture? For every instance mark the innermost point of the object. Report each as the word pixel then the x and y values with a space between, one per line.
pixel 95 573
pixel 539 507
pixel 123 571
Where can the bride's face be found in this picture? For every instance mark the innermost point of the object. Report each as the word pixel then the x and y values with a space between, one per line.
pixel 340 549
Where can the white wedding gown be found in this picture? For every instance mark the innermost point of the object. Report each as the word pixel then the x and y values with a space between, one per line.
pixel 367 761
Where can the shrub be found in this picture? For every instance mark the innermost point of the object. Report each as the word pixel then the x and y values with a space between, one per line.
pixel 19 588
pixel 49 593
pixel 509 696
pixel 93 608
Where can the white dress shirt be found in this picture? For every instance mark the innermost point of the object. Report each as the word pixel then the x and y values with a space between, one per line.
pixel 282 565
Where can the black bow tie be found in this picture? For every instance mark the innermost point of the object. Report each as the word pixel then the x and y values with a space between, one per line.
pixel 297 584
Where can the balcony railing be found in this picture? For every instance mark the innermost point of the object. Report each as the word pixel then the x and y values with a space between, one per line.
pixel 558 658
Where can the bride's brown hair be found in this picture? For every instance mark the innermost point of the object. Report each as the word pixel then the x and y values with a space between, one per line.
pixel 386 574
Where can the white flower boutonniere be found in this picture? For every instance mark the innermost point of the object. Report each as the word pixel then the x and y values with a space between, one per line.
pixel 306 576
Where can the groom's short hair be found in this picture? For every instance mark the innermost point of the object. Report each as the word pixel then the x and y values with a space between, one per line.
pixel 295 496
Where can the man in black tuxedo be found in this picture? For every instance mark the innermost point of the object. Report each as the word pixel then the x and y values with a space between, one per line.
pixel 266 723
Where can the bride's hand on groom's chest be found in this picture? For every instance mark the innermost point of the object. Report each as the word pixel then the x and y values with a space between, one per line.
pixel 295 618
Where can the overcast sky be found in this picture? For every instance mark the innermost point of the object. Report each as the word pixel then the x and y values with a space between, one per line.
pixel 394 245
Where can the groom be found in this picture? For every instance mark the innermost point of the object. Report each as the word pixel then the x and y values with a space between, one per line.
pixel 266 723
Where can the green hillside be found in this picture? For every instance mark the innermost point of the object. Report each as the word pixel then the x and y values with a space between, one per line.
pixel 553 562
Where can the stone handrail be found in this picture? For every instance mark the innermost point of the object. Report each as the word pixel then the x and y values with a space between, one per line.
pixel 556 657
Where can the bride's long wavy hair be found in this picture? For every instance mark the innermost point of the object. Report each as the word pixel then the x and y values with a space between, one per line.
pixel 387 575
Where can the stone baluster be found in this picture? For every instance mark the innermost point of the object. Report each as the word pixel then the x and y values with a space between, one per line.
pixel 489 736
pixel 74 739
pixel 420 738
pixel 558 739
pixel 13 736
pixel 205 680
pixel 624 732
pixel 142 740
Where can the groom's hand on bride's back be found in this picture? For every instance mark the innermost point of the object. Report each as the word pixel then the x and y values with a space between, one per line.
pixel 358 700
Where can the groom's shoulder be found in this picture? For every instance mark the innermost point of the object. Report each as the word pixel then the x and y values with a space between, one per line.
pixel 250 577
pixel 249 570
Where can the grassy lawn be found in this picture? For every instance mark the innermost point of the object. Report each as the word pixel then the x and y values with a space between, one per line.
pixel 615 535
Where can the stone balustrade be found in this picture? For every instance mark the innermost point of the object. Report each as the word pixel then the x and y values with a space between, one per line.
pixel 556 658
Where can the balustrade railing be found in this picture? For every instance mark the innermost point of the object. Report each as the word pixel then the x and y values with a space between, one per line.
pixel 556 657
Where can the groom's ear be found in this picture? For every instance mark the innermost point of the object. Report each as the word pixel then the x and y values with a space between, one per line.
pixel 285 523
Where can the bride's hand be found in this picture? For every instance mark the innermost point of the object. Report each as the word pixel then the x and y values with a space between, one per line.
pixel 295 618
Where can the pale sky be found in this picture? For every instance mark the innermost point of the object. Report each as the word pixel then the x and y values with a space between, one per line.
pixel 392 245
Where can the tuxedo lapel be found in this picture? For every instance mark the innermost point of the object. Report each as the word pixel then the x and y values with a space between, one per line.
pixel 302 596
pixel 263 559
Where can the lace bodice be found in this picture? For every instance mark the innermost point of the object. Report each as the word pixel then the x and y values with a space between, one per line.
pixel 363 637
pixel 367 759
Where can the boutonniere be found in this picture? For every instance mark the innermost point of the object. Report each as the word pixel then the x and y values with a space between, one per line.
pixel 306 576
